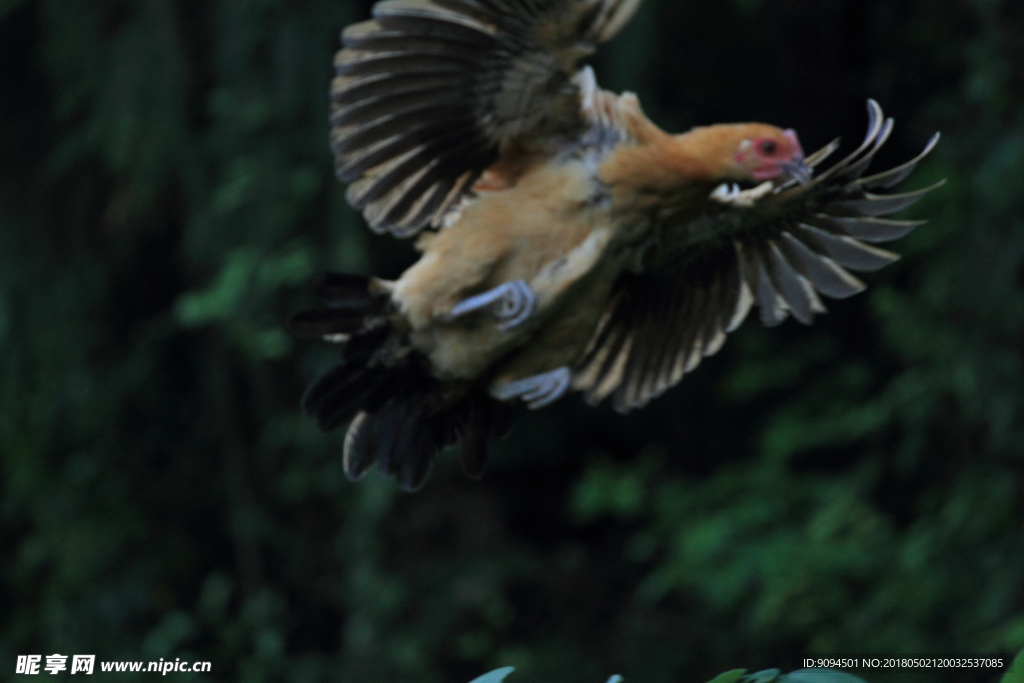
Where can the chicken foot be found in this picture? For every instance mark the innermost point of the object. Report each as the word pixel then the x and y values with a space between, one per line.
pixel 537 391
pixel 511 303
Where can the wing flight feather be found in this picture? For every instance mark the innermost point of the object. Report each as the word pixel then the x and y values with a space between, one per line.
pixel 778 247
pixel 430 93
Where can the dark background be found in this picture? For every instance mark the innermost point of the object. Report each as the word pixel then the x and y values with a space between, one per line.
pixel 166 195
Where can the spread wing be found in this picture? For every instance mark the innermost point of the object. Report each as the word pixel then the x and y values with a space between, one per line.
pixel 778 246
pixel 429 93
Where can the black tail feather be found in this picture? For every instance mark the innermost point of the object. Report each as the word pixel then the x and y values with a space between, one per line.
pixel 389 386
pixel 399 437
pixel 359 453
pixel 352 302
pixel 475 438
pixel 500 423
pixel 483 418
pixel 388 424
pixel 335 398
pixel 318 323
pixel 353 293
pixel 362 347
pixel 412 454
pixel 400 415
pixel 446 428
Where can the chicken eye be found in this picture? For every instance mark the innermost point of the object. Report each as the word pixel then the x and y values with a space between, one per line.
pixel 768 147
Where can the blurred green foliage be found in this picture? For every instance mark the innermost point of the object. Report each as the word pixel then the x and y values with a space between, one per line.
pixel 165 194
pixel 734 676
pixel 1016 672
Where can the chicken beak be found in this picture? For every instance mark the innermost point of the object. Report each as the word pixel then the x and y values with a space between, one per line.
pixel 798 170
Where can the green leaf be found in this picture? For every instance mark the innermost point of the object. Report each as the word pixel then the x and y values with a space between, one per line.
pixel 728 676
pixel 764 676
pixel 199 307
pixel 820 676
pixel 270 344
pixel 496 676
pixel 293 267
pixel 1015 674
pixel 615 679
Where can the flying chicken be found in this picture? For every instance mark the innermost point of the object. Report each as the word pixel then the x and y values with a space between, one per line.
pixel 567 242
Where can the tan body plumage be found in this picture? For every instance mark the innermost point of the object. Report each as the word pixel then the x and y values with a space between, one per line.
pixel 501 236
